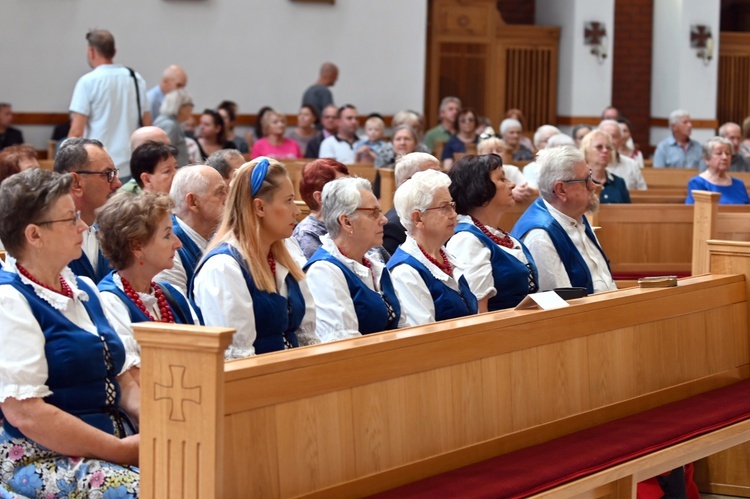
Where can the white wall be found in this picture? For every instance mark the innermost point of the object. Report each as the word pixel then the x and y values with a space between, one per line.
pixel 680 80
pixel 584 85
pixel 255 52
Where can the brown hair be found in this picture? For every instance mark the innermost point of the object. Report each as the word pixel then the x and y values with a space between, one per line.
pixel 10 159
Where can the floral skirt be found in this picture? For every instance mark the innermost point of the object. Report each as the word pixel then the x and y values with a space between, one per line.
pixel 28 470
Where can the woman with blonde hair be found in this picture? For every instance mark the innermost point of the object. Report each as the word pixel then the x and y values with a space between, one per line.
pixel 273 144
pixel 599 151
pixel 248 280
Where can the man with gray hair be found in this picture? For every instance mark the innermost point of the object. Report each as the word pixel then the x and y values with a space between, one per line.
pixel 733 133
pixel 226 162
pixel 449 108
pixel 622 166
pixel 199 194
pixel 394 234
pixel 94 181
pixel 679 150
pixel 555 229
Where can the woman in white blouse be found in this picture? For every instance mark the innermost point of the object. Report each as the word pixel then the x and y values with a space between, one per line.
pixel 64 386
pixel 247 279
pixel 135 234
pixel 428 283
pixel 353 294
pixel 498 267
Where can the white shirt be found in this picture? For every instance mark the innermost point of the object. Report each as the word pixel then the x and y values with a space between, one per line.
pixel 176 276
pixel 23 363
pixel 473 258
pixel 336 318
pixel 531 174
pixel 295 250
pixel 552 273
pixel 221 293
pixel 340 150
pixel 90 247
pixel 513 173
pixel 413 293
pixel 120 318
pixel 629 170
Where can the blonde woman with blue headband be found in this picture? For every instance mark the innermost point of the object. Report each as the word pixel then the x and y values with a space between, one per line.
pixel 247 279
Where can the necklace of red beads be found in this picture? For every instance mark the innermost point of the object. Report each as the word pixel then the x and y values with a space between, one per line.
pixel 272 263
pixel 502 241
pixel 161 300
pixel 445 266
pixel 66 291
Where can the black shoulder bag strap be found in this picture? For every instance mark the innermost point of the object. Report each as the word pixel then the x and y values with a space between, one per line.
pixel 137 96
pixel 173 303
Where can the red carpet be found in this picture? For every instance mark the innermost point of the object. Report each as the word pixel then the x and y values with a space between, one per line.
pixel 534 469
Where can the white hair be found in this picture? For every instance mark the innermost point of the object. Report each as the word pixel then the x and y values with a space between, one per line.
pixel 554 164
pixel 544 131
pixel 710 144
pixel 609 123
pixel 560 139
pixel 188 179
pixel 675 116
pixel 509 123
pixel 342 196
pixel 417 193
pixel 409 164
pixel 723 129
pixel 447 100
pixel 173 101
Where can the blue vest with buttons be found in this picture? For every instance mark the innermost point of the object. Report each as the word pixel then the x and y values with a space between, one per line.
pixel 190 253
pixel 449 303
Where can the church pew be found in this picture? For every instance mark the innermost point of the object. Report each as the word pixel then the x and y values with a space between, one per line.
pixel 668 177
pixel 47 164
pixel 365 415
pixel 659 195
pixel 715 221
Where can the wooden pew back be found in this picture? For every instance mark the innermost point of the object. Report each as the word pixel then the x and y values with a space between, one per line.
pixel 715 221
pixel 364 415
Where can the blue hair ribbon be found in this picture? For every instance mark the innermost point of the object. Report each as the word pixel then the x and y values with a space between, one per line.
pixel 258 176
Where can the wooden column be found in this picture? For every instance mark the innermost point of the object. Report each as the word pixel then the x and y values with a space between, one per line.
pixel 704 220
pixel 182 371
pixel 387 188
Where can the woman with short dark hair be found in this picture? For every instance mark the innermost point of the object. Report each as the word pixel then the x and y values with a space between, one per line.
pixel 498 267
pixel 213 134
pixel 68 401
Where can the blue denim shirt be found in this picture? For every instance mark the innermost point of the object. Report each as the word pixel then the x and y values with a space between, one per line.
pixel 670 154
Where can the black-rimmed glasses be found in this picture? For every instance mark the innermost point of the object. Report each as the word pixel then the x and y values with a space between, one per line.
pixel 75 219
pixel 111 174
pixel 445 209
pixel 588 179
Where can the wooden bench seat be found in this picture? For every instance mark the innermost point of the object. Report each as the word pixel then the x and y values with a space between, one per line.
pixel 584 453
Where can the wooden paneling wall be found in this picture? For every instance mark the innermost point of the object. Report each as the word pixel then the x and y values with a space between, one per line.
pixel 733 95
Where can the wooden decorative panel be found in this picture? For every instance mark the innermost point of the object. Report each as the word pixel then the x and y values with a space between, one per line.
pixel 463 69
pixel 733 95
pixel 528 80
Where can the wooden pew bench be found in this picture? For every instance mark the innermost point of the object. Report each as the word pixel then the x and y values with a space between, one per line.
pixel 366 415
pixel 715 221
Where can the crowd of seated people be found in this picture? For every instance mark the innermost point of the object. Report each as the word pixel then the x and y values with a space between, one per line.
pixel 200 235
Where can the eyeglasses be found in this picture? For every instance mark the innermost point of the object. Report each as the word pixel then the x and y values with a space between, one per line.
pixel 111 174
pixel 374 212
pixel 445 209
pixel 75 218
pixel 602 147
pixel 588 179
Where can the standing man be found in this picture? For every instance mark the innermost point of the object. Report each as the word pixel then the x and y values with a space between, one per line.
pixel 107 101
pixel 172 78
pixel 733 133
pixel 679 150
pixel 555 229
pixel 94 181
pixel 449 108
pixel 9 136
pixel 319 95
pixel 340 146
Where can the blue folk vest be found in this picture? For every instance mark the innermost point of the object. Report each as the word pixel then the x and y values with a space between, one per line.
pixel 276 317
pixel 449 303
pixel 178 303
pixel 81 366
pixel 537 216
pixel 190 253
pixel 510 276
pixel 371 310
pixel 82 266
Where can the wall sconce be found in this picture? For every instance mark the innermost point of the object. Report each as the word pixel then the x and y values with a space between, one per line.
pixel 595 36
pixel 702 40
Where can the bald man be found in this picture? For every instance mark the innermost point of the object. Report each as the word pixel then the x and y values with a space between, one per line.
pixel 174 77
pixel 146 133
pixel 319 95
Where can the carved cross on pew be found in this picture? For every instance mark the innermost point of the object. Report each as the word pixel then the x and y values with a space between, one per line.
pixel 699 35
pixel 593 33
pixel 177 395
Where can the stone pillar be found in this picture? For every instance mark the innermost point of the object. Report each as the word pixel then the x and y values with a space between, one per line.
pixel 679 78
pixel 585 79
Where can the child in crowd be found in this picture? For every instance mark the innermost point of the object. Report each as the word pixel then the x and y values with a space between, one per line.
pixel 367 149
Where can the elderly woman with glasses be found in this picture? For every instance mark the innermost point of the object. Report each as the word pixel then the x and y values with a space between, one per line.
pixel 717 153
pixel 135 233
pixel 499 268
pixel 248 280
pixel 598 149
pixel 428 282
pixel 354 294
pixel 65 392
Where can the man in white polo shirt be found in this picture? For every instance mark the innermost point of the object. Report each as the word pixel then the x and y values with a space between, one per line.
pixel 340 146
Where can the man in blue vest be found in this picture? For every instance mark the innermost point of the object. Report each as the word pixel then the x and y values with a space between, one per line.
pixel 199 193
pixel 555 229
pixel 95 178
